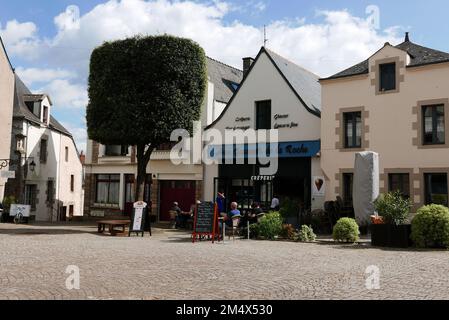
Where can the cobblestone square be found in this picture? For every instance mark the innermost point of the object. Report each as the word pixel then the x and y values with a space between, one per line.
pixel 34 259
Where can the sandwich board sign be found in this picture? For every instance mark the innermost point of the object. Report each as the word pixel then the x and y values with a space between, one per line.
pixel 137 226
pixel 206 221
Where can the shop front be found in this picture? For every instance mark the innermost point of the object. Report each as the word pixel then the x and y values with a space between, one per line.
pixel 244 183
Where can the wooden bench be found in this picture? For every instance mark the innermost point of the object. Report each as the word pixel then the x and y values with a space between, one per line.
pixel 112 225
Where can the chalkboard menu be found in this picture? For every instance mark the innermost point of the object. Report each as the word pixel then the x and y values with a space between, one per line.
pixel 205 221
pixel 138 218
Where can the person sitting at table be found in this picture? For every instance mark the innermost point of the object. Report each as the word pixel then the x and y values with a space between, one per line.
pixel 233 213
pixel 255 212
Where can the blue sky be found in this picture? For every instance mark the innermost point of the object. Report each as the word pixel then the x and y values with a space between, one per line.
pixel 51 54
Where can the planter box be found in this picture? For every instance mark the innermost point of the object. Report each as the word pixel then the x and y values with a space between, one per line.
pixel 392 236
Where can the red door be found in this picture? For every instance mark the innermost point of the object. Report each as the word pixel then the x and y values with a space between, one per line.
pixel 182 192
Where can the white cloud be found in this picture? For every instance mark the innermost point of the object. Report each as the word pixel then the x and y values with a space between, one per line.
pixel 21 38
pixel 79 135
pixel 65 94
pixel 33 76
pixel 337 41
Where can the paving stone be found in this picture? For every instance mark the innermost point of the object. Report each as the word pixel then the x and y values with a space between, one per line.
pixel 33 262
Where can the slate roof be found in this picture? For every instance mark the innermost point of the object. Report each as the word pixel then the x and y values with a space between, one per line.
pixel 225 79
pixel 419 56
pixel 22 94
pixel 304 82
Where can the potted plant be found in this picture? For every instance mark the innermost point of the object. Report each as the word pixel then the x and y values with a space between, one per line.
pixel 391 229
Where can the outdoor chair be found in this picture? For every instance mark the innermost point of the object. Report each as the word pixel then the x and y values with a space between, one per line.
pixel 232 231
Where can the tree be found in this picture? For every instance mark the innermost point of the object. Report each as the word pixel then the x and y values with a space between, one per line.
pixel 143 88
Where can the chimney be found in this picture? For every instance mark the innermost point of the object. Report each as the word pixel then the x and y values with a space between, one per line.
pixel 407 38
pixel 247 63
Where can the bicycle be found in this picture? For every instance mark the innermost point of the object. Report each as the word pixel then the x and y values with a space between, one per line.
pixel 18 218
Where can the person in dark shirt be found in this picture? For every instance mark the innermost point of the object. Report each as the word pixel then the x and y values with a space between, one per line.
pixel 255 212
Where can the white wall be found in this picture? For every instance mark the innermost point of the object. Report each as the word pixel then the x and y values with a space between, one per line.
pixel 6 108
pixel 264 82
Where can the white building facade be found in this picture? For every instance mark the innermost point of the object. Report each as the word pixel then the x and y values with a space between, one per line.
pixel 48 170
pixel 275 94
pixel 6 107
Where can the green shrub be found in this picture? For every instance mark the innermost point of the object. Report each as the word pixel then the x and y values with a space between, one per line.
pixel 7 202
pixel 269 227
pixel 306 234
pixel 430 227
pixel 393 207
pixel 346 230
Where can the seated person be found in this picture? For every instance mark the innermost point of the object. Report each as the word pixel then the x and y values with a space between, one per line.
pixel 255 212
pixel 233 213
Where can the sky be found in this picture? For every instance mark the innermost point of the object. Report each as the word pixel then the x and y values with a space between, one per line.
pixel 50 41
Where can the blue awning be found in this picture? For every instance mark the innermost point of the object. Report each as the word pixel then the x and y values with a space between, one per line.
pixel 297 149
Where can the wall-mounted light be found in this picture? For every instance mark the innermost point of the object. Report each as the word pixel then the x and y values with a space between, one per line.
pixel 32 166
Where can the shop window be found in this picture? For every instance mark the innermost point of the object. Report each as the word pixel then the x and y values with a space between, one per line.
pixel 436 189
pixel 31 195
pixel 353 129
pixel 116 151
pixel 433 125
pixel 129 188
pixel 400 182
pixel 108 188
pixel 348 182
pixel 387 77
pixel 263 115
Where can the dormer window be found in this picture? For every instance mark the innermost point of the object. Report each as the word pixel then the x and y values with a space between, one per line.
pixel 387 77
pixel 45 115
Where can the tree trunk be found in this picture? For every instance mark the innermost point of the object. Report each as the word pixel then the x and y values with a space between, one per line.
pixel 143 158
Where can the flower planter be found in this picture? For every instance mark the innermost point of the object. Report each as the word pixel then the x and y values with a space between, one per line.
pixel 391 236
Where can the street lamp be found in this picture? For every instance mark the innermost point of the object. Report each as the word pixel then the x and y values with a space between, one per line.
pixel 32 166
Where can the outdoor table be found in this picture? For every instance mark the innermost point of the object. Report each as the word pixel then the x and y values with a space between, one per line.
pixel 112 225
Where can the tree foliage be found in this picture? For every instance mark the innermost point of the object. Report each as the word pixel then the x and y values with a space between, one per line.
pixel 143 88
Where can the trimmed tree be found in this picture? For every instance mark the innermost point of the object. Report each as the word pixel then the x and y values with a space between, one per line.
pixel 143 88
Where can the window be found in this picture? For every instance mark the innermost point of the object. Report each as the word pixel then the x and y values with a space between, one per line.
pixel 30 195
pixel 45 115
pixel 387 76
pixel 72 183
pixel 348 182
pixel 71 211
pixel 433 125
pixel 43 150
pixel 116 151
pixel 263 115
pixel 50 191
pixel 129 188
pixel 353 129
pixel 399 182
pixel 436 191
pixel 66 154
pixel 108 188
